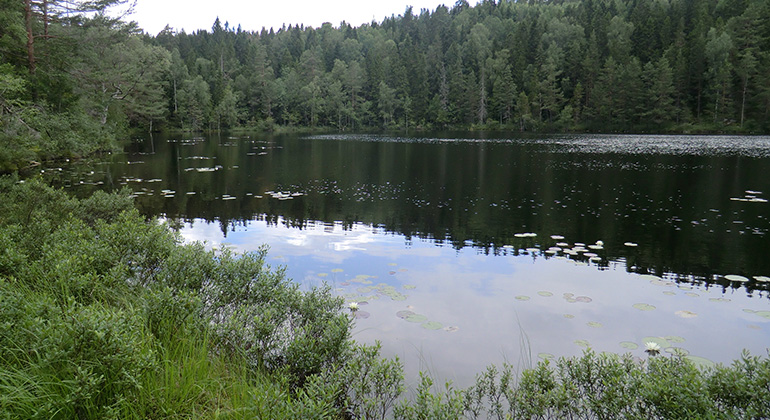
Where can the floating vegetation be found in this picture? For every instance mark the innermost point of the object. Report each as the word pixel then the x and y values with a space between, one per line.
pixel 392 264
pixel 749 311
pixel 686 314
pixel 692 294
pixel 525 235
pixel 545 293
pixel 583 343
pixel 763 314
pixel 337 270
pixel 557 237
pixel 583 299
pixel 644 306
pixel 630 345
pixel 736 278
pixel 522 298
pixel 700 362
pixel 362 314
pixel 432 325
pixel 753 327
pixel 763 279
pixel 569 316
pixel 719 300
pixel 676 351
pixel 669 293
pixel 630 244
pixel 594 324
pixel 675 338
pixel 562 244
pixel 546 356
pixel 660 341
pixel 409 286
pixel 404 314
pixel 451 328
pixel 416 318
pixel 322 274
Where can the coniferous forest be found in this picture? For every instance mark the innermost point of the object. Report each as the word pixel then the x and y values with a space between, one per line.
pixel 72 77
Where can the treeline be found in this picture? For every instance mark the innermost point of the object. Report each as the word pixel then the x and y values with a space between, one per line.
pixel 72 77
pixel 599 65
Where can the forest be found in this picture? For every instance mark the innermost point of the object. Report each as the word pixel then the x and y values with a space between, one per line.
pixel 74 76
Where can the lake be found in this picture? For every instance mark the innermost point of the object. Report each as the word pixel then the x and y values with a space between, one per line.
pixel 470 249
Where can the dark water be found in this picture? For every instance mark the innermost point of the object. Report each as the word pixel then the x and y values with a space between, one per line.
pixel 429 233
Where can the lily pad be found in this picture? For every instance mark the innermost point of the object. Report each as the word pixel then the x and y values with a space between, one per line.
pixel 736 278
pixel 749 311
pixel 644 306
pixel 700 362
pixel 362 314
pixel 409 286
pixel 583 343
pixel 686 314
pixel 545 293
pixel 763 314
pixel 583 299
pixel 522 298
pixel 432 325
pixel 630 244
pixel 763 279
pixel 416 318
pixel 337 270
pixel 676 351
pixel 719 300
pixel 630 345
pixel 669 293
pixel 675 338
pixel 451 328
pixel 662 342
pixel 594 324
pixel 545 356
pixel 392 264
pixel 691 294
pixel 557 237
pixel 323 274
pixel 404 314
pixel 569 316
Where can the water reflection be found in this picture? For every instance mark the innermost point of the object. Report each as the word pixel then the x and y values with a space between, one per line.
pixel 436 226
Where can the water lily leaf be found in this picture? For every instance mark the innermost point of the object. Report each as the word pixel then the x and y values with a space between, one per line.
pixel 719 300
pixel 583 343
pixel 700 362
pixel 686 314
pixel 675 338
pixel 644 306
pixel 557 237
pixel 545 356
pixel 522 298
pixel 753 327
pixel 432 325
pixel 451 328
pixel 545 293
pixel 364 290
pixel 403 270
pixel 323 274
pixel 763 314
pixel 337 270
pixel 416 318
pixel 749 311
pixel 669 293
pixel 662 342
pixel 569 316
pixel 409 286
pixel 584 299
pixel 630 345
pixel 571 300
pixel 594 324
pixel 404 314
pixel 676 351
pixel 362 314
pixel 630 244
pixel 692 294
pixel 763 279
pixel 737 278
pixel 568 295
pixel 392 264
pixel 391 272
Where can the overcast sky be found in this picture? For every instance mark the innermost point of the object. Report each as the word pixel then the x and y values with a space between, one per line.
pixel 252 15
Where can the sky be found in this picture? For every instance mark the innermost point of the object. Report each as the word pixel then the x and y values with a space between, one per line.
pixel 253 15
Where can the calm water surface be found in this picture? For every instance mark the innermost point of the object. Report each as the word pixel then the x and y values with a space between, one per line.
pixel 466 251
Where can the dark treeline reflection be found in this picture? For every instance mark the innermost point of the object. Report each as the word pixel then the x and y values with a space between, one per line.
pixel 680 208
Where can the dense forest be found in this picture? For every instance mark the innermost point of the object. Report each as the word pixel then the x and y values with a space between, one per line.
pixel 72 77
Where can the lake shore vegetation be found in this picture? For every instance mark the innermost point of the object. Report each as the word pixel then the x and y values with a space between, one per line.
pixel 105 314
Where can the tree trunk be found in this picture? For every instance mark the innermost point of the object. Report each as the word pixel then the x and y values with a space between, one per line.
pixel 31 61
